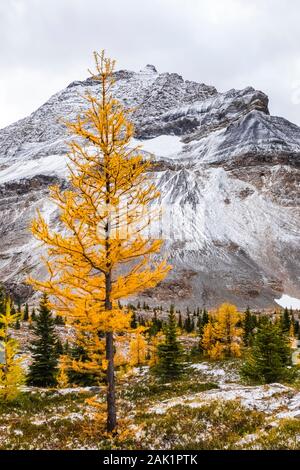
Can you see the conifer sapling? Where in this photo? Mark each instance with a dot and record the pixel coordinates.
(43, 370)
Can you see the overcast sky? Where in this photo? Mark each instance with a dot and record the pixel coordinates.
(46, 44)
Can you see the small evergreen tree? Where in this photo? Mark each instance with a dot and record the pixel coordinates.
(2, 300)
(285, 321)
(270, 355)
(249, 324)
(43, 370)
(203, 320)
(133, 323)
(66, 347)
(205, 317)
(58, 320)
(169, 352)
(59, 348)
(188, 324)
(79, 376)
(155, 325)
(33, 315)
(26, 313)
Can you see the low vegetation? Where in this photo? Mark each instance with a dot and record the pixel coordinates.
(62, 419)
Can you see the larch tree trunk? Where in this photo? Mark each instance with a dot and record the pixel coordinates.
(110, 373)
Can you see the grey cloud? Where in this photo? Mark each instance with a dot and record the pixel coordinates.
(44, 44)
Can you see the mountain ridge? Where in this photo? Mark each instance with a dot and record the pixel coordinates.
(228, 172)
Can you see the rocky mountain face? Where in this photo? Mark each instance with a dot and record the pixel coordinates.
(229, 177)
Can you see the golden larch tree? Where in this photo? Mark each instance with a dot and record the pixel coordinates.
(138, 348)
(12, 375)
(62, 376)
(103, 253)
(153, 343)
(292, 333)
(222, 337)
(227, 329)
(208, 338)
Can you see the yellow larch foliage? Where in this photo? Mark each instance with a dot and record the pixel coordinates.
(216, 351)
(292, 330)
(97, 426)
(227, 330)
(222, 336)
(89, 341)
(208, 338)
(122, 355)
(138, 348)
(12, 376)
(62, 376)
(292, 334)
(154, 341)
(103, 253)
(120, 358)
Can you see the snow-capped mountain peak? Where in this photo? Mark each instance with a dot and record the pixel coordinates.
(228, 174)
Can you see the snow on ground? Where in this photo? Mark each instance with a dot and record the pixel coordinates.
(275, 399)
(71, 390)
(161, 146)
(226, 373)
(268, 398)
(293, 408)
(164, 145)
(72, 417)
(286, 301)
(52, 164)
(140, 371)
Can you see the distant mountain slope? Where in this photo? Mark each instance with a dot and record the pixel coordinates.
(228, 172)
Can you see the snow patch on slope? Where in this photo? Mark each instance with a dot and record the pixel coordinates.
(161, 146)
(164, 145)
(52, 164)
(286, 301)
